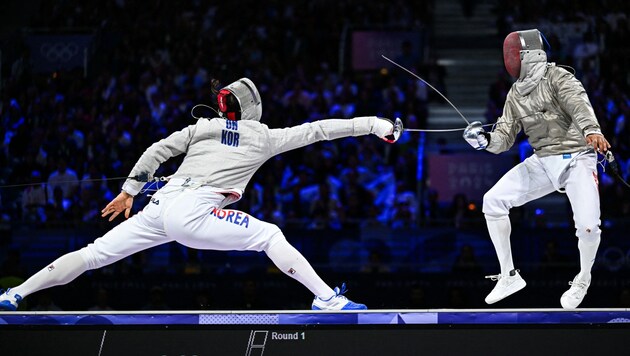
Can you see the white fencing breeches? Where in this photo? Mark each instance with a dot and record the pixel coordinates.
(188, 216)
(536, 177)
(193, 218)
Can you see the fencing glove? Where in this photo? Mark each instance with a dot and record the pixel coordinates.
(476, 136)
(386, 130)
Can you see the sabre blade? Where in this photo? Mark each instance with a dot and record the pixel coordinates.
(443, 130)
(429, 85)
(435, 130)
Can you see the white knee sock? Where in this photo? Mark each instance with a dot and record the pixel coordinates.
(499, 228)
(588, 251)
(62, 271)
(293, 264)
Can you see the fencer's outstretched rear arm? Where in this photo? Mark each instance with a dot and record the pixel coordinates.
(174, 145)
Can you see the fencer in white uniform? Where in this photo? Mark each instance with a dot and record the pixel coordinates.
(221, 156)
(551, 106)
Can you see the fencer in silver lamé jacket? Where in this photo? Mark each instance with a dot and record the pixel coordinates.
(552, 108)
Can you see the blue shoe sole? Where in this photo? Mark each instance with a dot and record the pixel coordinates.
(346, 307)
(6, 306)
(355, 307)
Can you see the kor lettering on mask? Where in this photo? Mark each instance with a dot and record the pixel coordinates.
(235, 217)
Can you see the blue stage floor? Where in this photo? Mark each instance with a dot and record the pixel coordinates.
(303, 332)
(307, 317)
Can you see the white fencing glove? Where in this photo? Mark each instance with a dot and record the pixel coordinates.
(476, 136)
(386, 130)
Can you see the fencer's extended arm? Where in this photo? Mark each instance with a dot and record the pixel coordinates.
(156, 154)
(290, 138)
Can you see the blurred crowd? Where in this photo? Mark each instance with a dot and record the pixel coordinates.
(79, 133)
(76, 134)
(154, 63)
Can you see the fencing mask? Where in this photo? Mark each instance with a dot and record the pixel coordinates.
(240, 101)
(515, 45)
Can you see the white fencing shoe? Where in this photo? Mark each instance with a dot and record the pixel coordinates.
(9, 301)
(574, 296)
(506, 286)
(337, 302)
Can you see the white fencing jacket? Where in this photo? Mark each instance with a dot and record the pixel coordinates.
(225, 154)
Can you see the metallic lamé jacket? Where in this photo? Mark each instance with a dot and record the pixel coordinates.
(556, 116)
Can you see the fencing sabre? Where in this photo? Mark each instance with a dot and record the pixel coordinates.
(432, 87)
(443, 96)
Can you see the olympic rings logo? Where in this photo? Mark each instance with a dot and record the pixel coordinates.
(59, 51)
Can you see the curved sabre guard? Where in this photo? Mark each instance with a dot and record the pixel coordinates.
(398, 130)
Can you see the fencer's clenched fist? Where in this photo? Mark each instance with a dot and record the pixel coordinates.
(476, 136)
(386, 130)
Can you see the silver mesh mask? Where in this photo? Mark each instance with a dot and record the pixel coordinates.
(530, 39)
(514, 47)
(248, 98)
